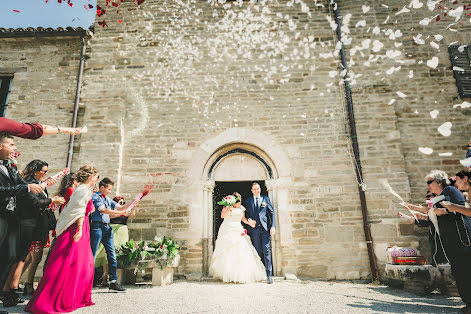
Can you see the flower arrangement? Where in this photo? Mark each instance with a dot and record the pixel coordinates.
(164, 252)
(13, 157)
(130, 253)
(228, 201)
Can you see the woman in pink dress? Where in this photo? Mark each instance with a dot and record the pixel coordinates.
(67, 281)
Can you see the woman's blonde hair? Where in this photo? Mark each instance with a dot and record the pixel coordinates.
(84, 173)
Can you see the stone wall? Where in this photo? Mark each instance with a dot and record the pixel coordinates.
(42, 91)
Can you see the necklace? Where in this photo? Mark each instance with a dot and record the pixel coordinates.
(466, 231)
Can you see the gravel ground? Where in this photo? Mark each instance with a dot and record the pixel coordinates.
(281, 297)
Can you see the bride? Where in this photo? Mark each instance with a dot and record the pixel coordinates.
(234, 258)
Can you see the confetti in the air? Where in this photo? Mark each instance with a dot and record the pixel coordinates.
(426, 150)
(465, 104)
(433, 63)
(401, 94)
(445, 129)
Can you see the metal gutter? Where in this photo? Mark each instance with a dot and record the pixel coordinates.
(70, 151)
(353, 135)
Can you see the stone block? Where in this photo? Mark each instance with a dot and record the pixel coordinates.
(162, 277)
(312, 271)
(338, 233)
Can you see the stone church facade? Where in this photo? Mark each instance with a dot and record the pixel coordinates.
(199, 95)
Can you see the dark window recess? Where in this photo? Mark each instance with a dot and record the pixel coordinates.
(461, 62)
(5, 84)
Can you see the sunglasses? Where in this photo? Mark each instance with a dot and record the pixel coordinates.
(430, 182)
(43, 171)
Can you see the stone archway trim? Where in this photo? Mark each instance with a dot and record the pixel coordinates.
(239, 135)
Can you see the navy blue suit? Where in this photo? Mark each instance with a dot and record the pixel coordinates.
(264, 216)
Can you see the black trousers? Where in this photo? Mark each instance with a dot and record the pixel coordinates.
(27, 236)
(460, 270)
(9, 240)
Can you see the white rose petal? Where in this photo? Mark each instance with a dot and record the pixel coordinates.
(465, 104)
(433, 63)
(431, 4)
(401, 94)
(365, 8)
(434, 114)
(416, 4)
(456, 13)
(361, 23)
(434, 45)
(418, 39)
(377, 46)
(445, 154)
(445, 129)
(426, 150)
(425, 21)
(403, 10)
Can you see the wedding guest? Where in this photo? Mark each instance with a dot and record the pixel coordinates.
(34, 237)
(101, 231)
(453, 233)
(12, 187)
(120, 234)
(33, 131)
(436, 251)
(463, 183)
(67, 281)
(66, 188)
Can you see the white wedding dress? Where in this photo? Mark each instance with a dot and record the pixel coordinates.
(234, 258)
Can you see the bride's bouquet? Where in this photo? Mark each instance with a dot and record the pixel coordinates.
(228, 201)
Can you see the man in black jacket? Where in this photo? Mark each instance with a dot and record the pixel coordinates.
(11, 187)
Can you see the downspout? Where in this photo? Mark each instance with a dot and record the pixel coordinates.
(70, 151)
(358, 169)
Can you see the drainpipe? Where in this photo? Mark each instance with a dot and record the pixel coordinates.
(70, 151)
(353, 134)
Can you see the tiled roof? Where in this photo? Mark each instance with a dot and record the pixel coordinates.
(43, 32)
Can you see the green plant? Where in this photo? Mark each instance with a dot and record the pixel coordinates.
(138, 254)
(165, 251)
(130, 253)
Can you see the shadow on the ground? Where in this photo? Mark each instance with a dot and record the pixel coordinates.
(413, 303)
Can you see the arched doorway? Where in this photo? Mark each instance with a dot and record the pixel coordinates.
(233, 157)
(235, 171)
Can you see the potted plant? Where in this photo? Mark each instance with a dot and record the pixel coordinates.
(167, 258)
(126, 256)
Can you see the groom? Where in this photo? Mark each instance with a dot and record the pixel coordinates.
(260, 209)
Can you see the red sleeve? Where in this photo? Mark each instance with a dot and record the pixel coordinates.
(30, 131)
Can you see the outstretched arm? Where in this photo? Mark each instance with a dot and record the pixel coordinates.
(457, 208)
